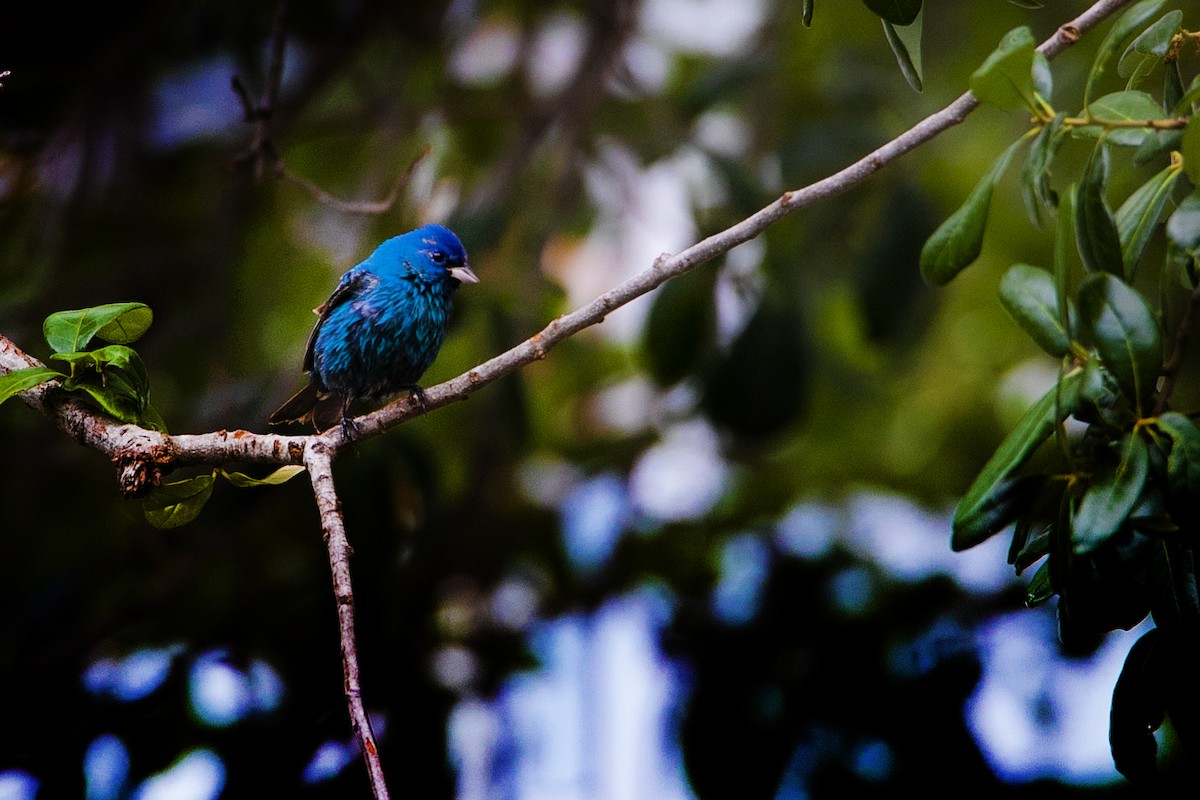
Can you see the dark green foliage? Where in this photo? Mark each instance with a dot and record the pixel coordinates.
(897, 12)
(679, 334)
(113, 377)
(1138, 708)
(850, 372)
(1029, 295)
(1095, 229)
(760, 385)
(1115, 519)
(1118, 322)
(1006, 78)
(905, 42)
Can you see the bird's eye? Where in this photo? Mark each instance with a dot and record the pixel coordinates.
(438, 257)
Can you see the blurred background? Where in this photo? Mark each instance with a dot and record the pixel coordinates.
(699, 552)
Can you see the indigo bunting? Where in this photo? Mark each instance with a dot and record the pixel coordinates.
(382, 327)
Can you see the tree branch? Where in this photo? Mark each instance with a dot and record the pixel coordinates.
(318, 457)
(221, 447)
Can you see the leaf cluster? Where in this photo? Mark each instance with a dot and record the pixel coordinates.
(903, 23)
(1112, 517)
(111, 377)
(114, 380)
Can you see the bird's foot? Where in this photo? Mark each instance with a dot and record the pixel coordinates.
(349, 426)
(419, 393)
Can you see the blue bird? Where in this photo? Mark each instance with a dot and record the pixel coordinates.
(382, 327)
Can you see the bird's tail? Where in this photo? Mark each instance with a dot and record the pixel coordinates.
(297, 408)
(324, 408)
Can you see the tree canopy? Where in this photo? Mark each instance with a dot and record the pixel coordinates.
(989, 333)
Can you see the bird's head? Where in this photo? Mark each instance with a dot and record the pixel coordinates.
(434, 254)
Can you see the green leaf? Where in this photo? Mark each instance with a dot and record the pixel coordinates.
(1183, 462)
(177, 503)
(1126, 25)
(1138, 709)
(1095, 229)
(20, 380)
(806, 12)
(1153, 42)
(115, 397)
(1172, 92)
(1101, 401)
(1183, 106)
(1064, 240)
(1028, 294)
(152, 420)
(129, 326)
(1035, 547)
(897, 12)
(1035, 174)
(1189, 148)
(1138, 216)
(279, 476)
(113, 356)
(1112, 495)
(1005, 79)
(1183, 226)
(1043, 79)
(1144, 65)
(959, 240)
(1040, 588)
(976, 517)
(905, 42)
(1123, 107)
(680, 330)
(120, 323)
(1125, 334)
(1156, 144)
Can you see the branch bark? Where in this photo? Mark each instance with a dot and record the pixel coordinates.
(318, 458)
(143, 456)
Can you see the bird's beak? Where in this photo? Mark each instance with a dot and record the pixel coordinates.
(463, 274)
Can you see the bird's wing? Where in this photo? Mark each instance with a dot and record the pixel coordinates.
(353, 282)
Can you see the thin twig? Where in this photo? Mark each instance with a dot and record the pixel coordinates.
(263, 154)
(319, 460)
(355, 206)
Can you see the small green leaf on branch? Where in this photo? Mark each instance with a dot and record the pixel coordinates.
(20, 380)
(178, 503)
(905, 41)
(959, 240)
(1126, 25)
(1107, 502)
(279, 476)
(1005, 79)
(1095, 229)
(1028, 294)
(1125, 333)
(1138, 217)
(119, 323)
(976, 517)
